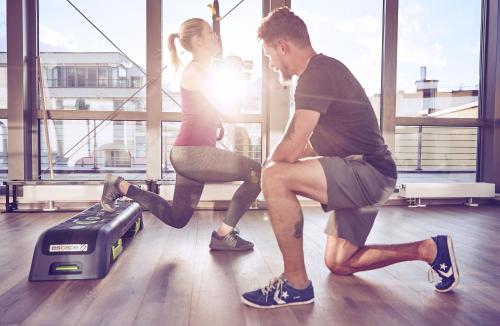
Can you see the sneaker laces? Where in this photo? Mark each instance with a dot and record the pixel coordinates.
(275, 283)
(112, 194)
(232, 238)
(430, 275)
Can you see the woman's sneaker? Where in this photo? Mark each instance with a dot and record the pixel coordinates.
(231, 241)
(445, 264)
(110, 192)
(278, 293)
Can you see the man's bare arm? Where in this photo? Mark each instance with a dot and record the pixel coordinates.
(308, 151)
(293, 143)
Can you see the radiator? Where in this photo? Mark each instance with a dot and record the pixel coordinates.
(415, 192)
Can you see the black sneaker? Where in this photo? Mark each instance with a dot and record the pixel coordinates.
(445, 264)
(110, 192)
(231, 241)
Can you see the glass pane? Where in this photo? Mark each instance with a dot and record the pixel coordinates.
(438, 58)
(3, 55)
(3, 149)
(436, 154)
(241, 138)
(240, 71)
(81, 66)
(116, 147)
(240, 45)
(169, 132)
(351, 33)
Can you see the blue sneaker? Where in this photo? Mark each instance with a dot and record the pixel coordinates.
(278, 293)
(445, 264)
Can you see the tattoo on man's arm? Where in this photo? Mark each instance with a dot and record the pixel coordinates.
(299, 227)
(290, 130)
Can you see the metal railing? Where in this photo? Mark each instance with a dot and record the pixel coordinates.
(99, 83)
(436, 149)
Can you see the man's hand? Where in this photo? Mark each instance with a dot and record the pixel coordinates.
(296, 138)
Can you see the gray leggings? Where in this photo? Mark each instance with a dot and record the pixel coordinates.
(196, 165)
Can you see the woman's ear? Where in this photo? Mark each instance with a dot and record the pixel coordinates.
(196, 41)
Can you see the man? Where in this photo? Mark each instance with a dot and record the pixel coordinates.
(332, 152)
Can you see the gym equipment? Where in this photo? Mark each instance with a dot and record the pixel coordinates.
(86, 245)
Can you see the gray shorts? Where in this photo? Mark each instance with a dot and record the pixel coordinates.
(355, 190)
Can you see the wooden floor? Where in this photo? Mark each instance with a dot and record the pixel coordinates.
(169, 277)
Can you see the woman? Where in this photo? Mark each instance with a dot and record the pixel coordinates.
(194, 156)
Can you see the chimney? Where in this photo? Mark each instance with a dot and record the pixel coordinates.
(427, 86)
(423, 72)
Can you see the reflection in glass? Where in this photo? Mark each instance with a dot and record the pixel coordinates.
(115, 147)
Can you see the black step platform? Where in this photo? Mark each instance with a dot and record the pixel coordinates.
(85, 246)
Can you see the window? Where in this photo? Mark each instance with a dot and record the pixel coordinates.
(89, 74)
(3, 91)
(136, 82)
(81, 77)
(437, 77)
(3, 55)
(85, 63)
(352, 34)
(436, 154)
(238, 33)
(70, 77)
(114, 147)
(239, 74)
(103, 77)
(92, 77)
(59, 76)
(438, 59)
(3, 149)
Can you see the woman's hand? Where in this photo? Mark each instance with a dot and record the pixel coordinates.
(225, 101)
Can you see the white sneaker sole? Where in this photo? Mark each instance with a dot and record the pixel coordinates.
(251, 304)
(451, 251)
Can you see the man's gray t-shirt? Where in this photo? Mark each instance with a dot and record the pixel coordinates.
(347, 125)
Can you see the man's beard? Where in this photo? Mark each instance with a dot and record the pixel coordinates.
(285, 76)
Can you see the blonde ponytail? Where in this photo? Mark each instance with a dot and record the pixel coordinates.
(189, 29)
(174, 57)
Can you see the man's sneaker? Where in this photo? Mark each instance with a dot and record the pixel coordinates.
(445, 264)
(278, 293)
(231, 241)
(110, 192)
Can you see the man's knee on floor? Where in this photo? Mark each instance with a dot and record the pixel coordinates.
(337, 266)
(338, 255)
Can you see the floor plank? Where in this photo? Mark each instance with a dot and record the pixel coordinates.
(169, 276)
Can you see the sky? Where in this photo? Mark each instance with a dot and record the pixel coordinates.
(441, 35)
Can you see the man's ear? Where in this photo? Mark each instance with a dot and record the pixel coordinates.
(282, 46)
